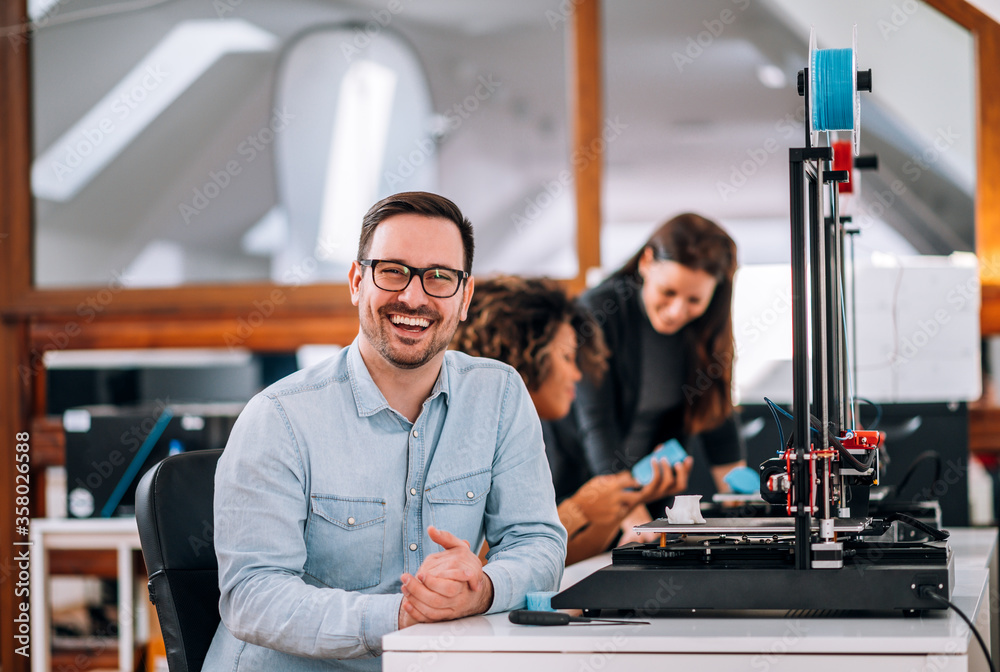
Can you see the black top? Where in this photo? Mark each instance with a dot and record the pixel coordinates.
(664, 358)
(606, 416)
(565, 454)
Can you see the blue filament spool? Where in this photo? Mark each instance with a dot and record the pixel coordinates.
(833, 82)
(833, 102)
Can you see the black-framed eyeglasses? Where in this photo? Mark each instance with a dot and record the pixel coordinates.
(392, 276)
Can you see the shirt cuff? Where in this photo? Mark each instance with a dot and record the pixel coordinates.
(379, 618)
(503, 589)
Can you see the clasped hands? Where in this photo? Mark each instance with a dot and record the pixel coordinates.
(449, 584)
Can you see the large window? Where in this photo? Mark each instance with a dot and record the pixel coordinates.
(191, 142)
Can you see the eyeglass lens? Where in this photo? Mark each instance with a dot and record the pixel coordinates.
(438, 282)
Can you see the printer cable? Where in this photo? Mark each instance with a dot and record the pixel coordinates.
(928, 591)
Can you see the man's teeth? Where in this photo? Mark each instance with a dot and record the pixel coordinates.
(411, 321)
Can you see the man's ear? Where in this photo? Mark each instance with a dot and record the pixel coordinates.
(354, 277)
(470, 285)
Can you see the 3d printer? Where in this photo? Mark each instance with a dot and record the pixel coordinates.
(828, 553)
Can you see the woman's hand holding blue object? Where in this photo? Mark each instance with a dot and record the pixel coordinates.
(667, 480)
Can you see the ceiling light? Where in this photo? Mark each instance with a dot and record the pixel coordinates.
(357, 146)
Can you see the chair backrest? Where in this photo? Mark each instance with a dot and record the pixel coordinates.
(173, 509)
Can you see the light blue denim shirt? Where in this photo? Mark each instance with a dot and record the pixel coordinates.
(324, 494)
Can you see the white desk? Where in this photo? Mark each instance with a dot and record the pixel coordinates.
(977, 548)
(120, 534)
(936, 641)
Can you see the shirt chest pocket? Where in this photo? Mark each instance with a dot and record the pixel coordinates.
(457, 504)
(345, 541)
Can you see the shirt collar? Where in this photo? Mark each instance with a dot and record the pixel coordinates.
(368, 396)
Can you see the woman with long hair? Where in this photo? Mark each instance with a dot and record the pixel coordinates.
(530, 324)
(666, 316)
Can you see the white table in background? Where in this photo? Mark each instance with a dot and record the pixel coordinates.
(935, 641)
(119, 534)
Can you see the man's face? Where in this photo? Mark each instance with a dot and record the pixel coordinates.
(421, 242)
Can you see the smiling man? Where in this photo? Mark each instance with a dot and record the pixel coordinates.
(349, 494)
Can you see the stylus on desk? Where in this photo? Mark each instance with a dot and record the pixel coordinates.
(526, 617)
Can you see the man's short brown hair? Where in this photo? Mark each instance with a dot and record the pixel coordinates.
(419, 203)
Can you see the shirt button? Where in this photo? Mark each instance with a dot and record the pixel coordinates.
(470, 494)
(413, 491)
(350, 521)
(413, 547)
(415, 434)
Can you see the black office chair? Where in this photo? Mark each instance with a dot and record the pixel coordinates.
(173, 507)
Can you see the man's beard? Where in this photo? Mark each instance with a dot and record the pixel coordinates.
(376, 330)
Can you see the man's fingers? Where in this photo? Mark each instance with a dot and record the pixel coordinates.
(441, 565)
(414, 612)
(446, 539)
(466, 571)
(473, 576)
(461, 559)
(429, 614)
(424, 597)
(451, 584)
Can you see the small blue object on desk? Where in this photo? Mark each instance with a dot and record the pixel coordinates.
(671, 450)
(743, 481)
(540, 601)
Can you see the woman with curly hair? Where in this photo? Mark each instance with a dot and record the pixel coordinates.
(552, 342)
(666, 317)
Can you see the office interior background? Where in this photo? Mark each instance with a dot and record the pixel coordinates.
(184, 181)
